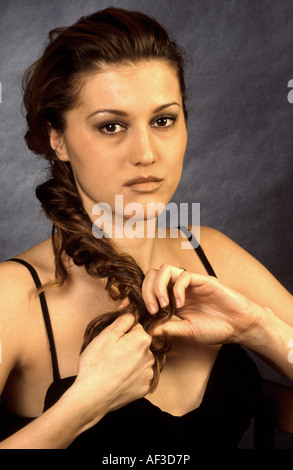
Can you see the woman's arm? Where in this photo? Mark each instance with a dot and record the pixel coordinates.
(55, 429)
(236, 268)
(212, 313)
(245, 305)
(100, 386)
(272, 340)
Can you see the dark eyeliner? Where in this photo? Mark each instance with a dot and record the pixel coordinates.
(103, 125)
(172, 117)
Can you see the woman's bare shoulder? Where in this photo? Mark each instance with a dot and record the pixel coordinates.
(40, 257)
(238, 269)
(232, 264)
(226, 256)
(16, 282)
(17, 294)
(19, 307)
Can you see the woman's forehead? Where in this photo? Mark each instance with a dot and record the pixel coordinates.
(122, 84)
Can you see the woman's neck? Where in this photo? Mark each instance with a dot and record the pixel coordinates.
(136, 236)
(139, 239)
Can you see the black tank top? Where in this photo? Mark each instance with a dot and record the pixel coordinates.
(230, 401)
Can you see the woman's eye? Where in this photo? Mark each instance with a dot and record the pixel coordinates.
(112, 128)
(165, 121)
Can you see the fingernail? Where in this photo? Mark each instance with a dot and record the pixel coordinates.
(178, 302)
(152, 308)
(163, 302)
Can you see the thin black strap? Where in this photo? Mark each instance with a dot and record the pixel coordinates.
(199, 251)
(46, 315)
(205, 261)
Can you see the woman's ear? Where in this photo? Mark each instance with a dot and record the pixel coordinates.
(57, 143)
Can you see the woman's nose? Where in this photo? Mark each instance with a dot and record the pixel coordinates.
(143, 149)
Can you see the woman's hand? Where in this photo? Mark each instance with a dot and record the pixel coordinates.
(115, 368)
(209, 312)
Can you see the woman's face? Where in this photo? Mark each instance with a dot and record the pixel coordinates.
(128, 124)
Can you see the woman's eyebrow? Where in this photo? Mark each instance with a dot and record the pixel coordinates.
(110, 111)
(167, 105)
(118, 112)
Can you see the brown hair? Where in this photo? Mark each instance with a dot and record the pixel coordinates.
(51, 88)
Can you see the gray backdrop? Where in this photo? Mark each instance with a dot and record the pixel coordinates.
(239, 159)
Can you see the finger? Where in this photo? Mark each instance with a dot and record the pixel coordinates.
(155, 285)
(165, 274)
(203, 283)
(139, 330)
(140, 335)
(124, 303)
(121, 325)
(152, 359)
(148, 293)
(172, 328)
(166, 328)
(180, 286)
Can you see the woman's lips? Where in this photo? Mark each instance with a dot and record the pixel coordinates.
(142, 184)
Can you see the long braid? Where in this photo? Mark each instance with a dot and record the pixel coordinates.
(52, 87)
(72, 235)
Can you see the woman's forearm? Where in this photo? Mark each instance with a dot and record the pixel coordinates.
(270, 339)
(98, 389)
(57, 428)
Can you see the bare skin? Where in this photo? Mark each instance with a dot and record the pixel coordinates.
(230, 309)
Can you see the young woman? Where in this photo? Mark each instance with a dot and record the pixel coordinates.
(127, 342)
